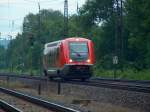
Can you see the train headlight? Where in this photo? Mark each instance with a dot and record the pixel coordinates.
(77, 39)
(88, 60)
(70, 60)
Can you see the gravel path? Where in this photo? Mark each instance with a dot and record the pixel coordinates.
(1, 110)
(21, 104)
(77, 102)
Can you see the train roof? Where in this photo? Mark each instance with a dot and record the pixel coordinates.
(50, 44)
(76, 38)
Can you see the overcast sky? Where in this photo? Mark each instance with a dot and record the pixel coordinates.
(12, 12)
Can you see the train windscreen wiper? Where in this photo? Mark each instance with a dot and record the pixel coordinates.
(78, 54)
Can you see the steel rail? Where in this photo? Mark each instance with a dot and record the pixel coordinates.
(137, 85)
(7, 107)
(27, 76)
(121, 80)
(136, 88)
(38, 101)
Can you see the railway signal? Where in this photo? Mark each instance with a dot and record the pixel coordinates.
(115, 60)
(115, 63)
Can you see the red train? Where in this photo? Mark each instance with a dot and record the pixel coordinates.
(71, 58)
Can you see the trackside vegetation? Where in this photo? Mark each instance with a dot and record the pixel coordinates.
(126, 74)
(98, 21)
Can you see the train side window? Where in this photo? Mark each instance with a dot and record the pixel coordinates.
(58, 53)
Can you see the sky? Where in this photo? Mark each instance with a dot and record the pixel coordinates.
(12, 12)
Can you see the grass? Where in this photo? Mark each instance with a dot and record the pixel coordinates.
(125, 74)
(31, 72)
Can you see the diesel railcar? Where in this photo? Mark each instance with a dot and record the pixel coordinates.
(71, 58)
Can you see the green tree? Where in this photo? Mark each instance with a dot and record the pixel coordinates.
(2, 57)
(27, 48)
(137, 25)
(98, 20)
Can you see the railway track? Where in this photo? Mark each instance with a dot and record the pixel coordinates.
(141, 82)
(116, 85)
(44, 106)
(5, 107)
(136, 83)
(130, 85)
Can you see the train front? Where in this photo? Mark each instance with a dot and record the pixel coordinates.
(80, 58)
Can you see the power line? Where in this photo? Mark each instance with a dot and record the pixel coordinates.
(31, 1)
(15, 19)
(54, 2)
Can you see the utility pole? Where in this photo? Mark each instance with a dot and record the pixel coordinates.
(77, 20)
(77, 8)
(119, 32)
(40, 60)
(39, 19)
(119, 41)
(11, 62)
(65, 18)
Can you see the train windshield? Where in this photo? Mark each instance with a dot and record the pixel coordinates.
(78, 51)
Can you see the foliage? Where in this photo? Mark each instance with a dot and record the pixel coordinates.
(25, 52)
(132, 74)
(100, 16)
(2, 57)
(137, 24)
